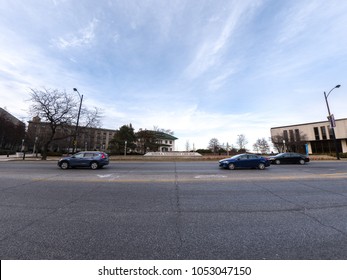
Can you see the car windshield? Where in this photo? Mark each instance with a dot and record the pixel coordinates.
(281, 154)
(237, 156)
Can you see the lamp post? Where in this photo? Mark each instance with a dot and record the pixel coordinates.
(125, 148)
(34, 149)
(332, 121)
(78, 119)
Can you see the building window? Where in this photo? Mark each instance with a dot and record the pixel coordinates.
(285, 135)
(324, 132)
(297, 135)
(316, 133)
(291, 135)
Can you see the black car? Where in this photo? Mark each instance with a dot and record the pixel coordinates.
(287, 158)
(93, 160)
(244, 161)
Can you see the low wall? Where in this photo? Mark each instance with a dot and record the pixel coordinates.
(172, 154)
(20, 155)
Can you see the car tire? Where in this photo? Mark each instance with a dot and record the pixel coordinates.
(94, 165)
(277, 161)
(302, 161)
(231, 166)
(64, 165)
(261, 166)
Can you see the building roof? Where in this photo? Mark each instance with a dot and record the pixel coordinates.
(336, 120)
(10, 117)
(161, 135)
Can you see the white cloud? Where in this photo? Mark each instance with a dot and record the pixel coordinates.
(212, 47)
(84, 36)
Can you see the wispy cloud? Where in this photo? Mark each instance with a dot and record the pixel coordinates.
(211, 49)
(84, 36)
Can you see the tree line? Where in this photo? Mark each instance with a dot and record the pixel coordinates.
(215, 147)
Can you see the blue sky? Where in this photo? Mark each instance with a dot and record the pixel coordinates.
(204, 69)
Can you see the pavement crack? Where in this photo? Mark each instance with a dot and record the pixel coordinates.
(303, 209)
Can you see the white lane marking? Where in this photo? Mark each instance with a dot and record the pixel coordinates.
(104, 176)
(210, 176)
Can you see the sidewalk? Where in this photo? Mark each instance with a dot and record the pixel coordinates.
(20, 157)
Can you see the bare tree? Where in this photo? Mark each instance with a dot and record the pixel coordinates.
(167, 131)
(278, 142)
(187, 146)
(261, 145)
(293, 142)
(214, 145)
(241, 141)
(59, 111)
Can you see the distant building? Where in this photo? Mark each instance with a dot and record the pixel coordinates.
(10, 117)
(316, 136)
(166, 141)
(88, 138)
(12, 132)
(154, 141)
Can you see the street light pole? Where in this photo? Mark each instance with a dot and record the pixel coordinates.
(332, 124)
(78, 119)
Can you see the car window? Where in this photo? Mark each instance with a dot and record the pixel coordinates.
(88, 155)
(79, 155)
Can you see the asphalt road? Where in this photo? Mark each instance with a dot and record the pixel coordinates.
(173, 210)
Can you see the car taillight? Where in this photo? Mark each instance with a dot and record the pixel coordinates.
(103, 156)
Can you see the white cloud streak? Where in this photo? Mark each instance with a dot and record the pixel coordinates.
(212, 48)
(84, 37)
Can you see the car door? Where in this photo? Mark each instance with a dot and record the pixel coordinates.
(243, 161)
(87, 159)
(253, 161)
(286, 158)
(293, 158)
(296, 158)
(76, 160)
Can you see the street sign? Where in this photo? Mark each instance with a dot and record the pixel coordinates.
(332, 120)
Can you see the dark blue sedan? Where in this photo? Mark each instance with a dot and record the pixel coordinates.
(244, 161)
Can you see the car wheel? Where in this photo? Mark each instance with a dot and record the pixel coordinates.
(64, 165)
(261, 166)
(301, 161)
(94, 165)
(231, 166)
(277, 161)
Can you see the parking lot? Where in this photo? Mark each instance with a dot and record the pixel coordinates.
(173, 210)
